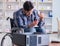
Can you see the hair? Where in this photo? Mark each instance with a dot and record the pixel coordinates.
(28, 6)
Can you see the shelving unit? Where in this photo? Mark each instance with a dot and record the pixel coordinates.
(9, 6)
(45, 6)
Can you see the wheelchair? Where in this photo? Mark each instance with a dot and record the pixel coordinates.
(14, 28)
(15, 37)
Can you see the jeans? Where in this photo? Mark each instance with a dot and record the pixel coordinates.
(27, 30)
(41, 30)
(32, 30)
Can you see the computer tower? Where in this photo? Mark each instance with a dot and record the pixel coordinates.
(31, 39)
(37, 40)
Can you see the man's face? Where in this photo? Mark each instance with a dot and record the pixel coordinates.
(28, 13)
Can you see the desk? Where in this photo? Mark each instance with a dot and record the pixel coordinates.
(54, 44)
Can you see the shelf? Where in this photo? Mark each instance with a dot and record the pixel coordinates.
(48, 17)
(11, 1)
(22, 0)
(12, 7)
(48, 24)
(45, 2)
(33, 0)
(11, 10)
(48, 27)
(45, 10)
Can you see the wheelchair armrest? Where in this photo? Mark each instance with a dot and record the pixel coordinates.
(17, 29)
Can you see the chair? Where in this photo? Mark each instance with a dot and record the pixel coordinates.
(58, 27)
(14, 29)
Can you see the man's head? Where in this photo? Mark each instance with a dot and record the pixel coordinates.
(28, 7)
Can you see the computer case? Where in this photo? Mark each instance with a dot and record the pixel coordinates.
(31, 39)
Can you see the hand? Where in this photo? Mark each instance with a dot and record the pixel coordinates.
(41, 15)
(33, 23)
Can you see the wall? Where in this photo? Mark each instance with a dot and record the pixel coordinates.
(56, 13)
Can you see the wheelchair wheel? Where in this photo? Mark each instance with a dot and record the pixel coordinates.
(6, 40)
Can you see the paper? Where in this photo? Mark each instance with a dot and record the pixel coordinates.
(11, 0)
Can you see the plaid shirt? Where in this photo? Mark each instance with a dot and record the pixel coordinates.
(22, 20)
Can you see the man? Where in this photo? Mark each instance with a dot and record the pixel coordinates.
(27, 17)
